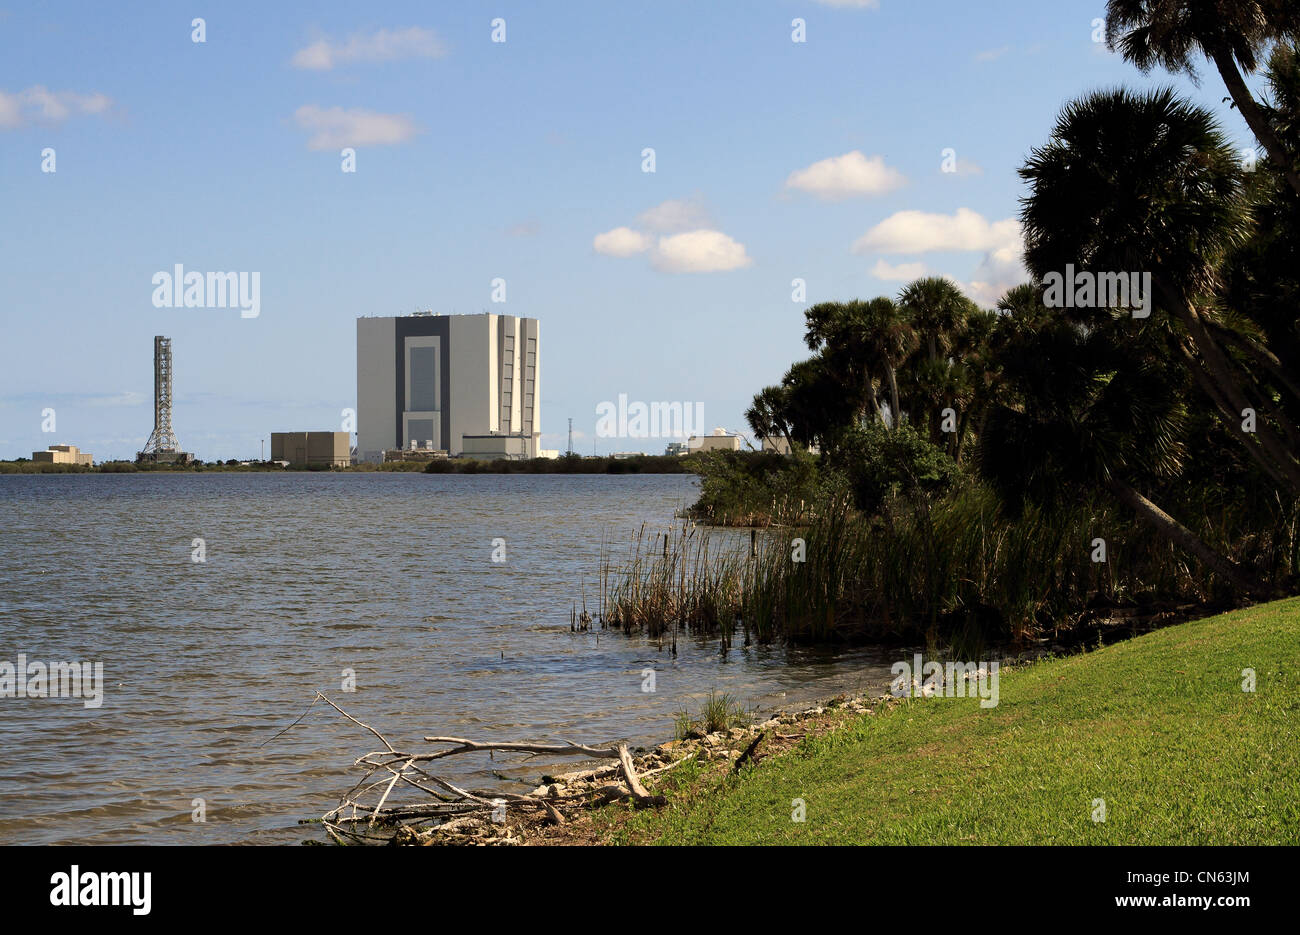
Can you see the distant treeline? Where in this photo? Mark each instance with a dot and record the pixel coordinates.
(569, 464)
(24, 466)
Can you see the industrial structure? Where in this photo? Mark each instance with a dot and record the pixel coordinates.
(162, 445)
(312, 449)
(459, 384)
(63, 454)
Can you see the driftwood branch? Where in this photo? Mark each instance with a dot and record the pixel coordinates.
(446, 805)
(564, 749)
(638, 791)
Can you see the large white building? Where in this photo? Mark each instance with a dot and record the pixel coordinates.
(447, 381)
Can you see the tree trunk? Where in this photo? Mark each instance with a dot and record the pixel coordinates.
(894, 412)
(1230, 419)
(961, 433)
(1216, 361)
(1255, 116)
(1185, 539)
(1259, 353)
(1214, 367)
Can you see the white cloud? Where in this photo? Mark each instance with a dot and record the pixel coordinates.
(679, 238)
(674, 216)
(919, 232)
(922, 232)
(903, 272)
(998, 271)
(699, 251)
(38, 104)
(846, 176)
(622, 242)
(386, 45)
(336, 127)
(992, 55)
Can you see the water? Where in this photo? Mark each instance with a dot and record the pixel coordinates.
(308, 575)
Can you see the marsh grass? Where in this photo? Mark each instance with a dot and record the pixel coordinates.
(957, 571)
(719, 711)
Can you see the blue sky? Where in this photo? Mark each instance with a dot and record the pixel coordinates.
(774, 160)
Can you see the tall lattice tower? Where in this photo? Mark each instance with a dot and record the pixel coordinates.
(162, 444)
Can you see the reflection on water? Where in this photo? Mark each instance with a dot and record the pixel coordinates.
(308, 575)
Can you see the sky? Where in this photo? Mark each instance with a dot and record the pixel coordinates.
(882, 146)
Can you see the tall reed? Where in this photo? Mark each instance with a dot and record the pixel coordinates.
(952, 568)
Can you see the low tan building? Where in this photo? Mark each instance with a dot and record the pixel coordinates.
(312, 449)
(63, 454)
(719, 440)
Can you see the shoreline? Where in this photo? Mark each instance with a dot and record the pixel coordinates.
(732, 747)
(700, 758)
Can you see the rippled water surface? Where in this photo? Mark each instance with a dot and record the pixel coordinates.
(306, 575)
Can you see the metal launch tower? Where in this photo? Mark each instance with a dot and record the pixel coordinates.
(162, 444)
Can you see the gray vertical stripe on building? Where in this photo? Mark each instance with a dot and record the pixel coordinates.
(423, 326)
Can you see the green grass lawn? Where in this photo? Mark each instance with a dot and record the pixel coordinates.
(1158, 726)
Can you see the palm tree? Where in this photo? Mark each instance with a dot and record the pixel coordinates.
(889, 340)
(935, 307)
(769, 416)
(830, 329)
(977, 375)
(816, 406)
(937, 311)
(1233, 34)
(1147, 183)
(1093, 406)
(862, 343)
